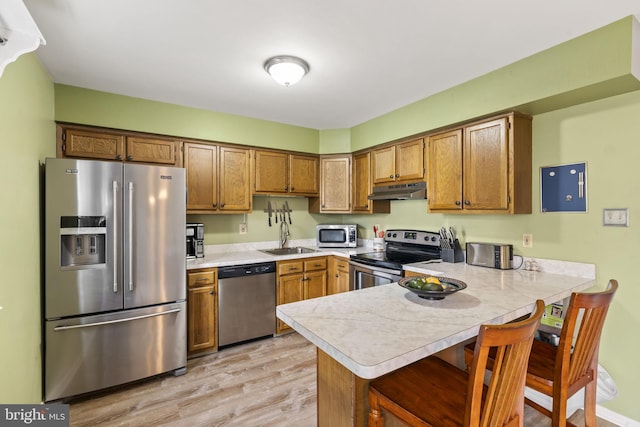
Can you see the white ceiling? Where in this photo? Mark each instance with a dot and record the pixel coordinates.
(367, 57)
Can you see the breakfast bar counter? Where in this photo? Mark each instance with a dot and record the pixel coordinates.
(364, 334)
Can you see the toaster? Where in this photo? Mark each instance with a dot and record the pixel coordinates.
(492, 255)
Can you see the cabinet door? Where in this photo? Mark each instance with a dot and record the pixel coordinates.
(92, 145)
(342, 280)
(486, 171)
(235, 186)
(362, 185)
(290, 289)
(383, 166)
(444, 171)
(200, 162)
(315, 284)
(410, 160)
(148, 150)
(338, 275)
(202, 318)
(202, 310)
(271, 172)
(335, 186)
(303, 174)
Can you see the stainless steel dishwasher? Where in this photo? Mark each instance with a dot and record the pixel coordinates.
(246, 302)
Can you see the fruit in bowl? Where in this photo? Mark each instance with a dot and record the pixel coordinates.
(432, 287)
(426, 283)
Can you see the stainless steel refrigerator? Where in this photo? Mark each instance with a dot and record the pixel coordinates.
(114, 292)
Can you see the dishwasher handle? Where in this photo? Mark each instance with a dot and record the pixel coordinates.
(246, 270)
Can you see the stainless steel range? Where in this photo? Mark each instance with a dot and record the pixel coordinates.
(402, 247)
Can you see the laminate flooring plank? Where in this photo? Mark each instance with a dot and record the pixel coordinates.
(270, 382)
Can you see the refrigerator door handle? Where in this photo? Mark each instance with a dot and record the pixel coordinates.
(109, 322)
(115, 237)
(130, 266)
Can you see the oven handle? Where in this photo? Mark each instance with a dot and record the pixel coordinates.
(376, 271)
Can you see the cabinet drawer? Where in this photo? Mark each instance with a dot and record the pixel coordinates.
(289, 267)
(201, 278)
(315, 264)
(342, 264)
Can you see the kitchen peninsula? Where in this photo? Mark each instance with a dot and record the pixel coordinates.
(364, 334)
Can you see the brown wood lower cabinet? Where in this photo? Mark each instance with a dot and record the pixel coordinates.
(338, 280)
(298, 280)
(202, 311)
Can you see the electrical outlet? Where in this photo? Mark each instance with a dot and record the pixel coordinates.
(243, 228)
(619, 217)
(527, 240)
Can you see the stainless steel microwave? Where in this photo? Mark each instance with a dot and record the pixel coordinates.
(336, 235)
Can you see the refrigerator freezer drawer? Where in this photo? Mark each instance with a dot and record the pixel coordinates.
(95, 352)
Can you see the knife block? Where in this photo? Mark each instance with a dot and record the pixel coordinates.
(452, 255)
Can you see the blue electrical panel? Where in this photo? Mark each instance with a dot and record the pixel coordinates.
(564, 188)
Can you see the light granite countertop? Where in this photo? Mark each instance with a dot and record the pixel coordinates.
(249, 253)
(377, 330)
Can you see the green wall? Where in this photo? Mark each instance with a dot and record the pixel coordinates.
(26, 135)
(84, 106)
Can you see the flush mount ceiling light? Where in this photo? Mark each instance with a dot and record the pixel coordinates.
(286, 70)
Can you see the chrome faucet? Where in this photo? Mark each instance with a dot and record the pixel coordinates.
(284, 229)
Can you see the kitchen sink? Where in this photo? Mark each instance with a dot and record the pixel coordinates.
(288, 251)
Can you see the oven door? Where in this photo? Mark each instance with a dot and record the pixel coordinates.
(366, 276)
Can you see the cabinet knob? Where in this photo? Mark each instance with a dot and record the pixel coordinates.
(397, 175)
(466, 202)
(286, 188)
(212, 292)
(215, 205)
(337, 275)
(458, 203)
(293, 189)
(222, 205)
(119, 157)
(129, 157)
(366, 206)
(391, 176)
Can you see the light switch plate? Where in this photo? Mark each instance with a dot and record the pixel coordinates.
(617, 217)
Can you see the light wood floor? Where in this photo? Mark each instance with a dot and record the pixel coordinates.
(271, 382)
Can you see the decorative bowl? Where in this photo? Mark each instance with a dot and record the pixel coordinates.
(449, 285)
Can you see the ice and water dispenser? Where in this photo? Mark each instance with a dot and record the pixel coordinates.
(82, 241)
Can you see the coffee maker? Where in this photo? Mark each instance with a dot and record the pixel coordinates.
(195, 240)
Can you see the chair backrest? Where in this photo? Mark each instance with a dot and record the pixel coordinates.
(503, 404)
(576, 363)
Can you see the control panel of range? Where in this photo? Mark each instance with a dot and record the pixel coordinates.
(416, 237)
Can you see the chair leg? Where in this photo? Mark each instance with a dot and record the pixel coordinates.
(590, 404)
(375, 416)
(559, 413)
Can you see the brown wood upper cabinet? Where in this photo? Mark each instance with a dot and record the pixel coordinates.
(482, 167)
(335, 185)
(362, 186)
(101, 144)
(399, 162)
(218, 178)
(286, 173)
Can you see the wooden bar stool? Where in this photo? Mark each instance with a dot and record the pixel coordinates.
(431, 392)
(560, 372)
